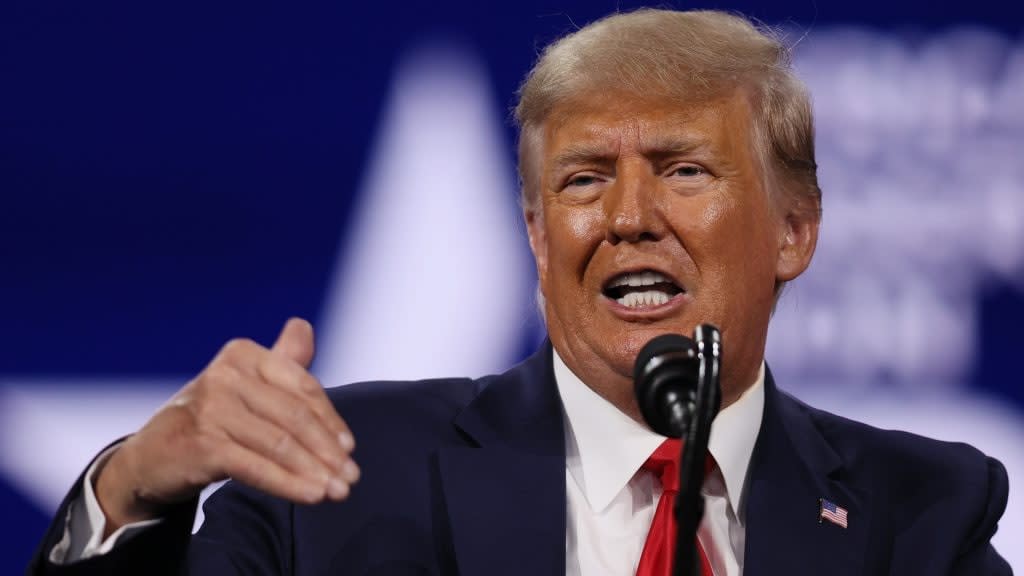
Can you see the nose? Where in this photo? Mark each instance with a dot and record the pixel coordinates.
(631, 209)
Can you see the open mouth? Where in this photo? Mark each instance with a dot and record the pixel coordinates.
(641, 289)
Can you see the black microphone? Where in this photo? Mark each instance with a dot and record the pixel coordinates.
(676, 381)
(665, 382)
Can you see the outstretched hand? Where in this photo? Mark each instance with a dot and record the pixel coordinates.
(255, 415)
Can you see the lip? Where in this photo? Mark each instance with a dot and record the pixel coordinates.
(645, 313)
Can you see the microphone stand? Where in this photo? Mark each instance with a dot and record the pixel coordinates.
(689, 506)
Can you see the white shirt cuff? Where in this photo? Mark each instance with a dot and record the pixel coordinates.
(85, 523)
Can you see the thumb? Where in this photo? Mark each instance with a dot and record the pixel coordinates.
(296, 341)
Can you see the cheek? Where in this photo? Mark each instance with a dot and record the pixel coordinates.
(731, 244)
(711, 228)
(715, 214)
(583, 224)
(575, 233)
(739, 226)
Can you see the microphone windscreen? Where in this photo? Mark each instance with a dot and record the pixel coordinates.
(659, 345)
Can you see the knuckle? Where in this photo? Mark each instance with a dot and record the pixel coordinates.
(237, 347)
(220, 373)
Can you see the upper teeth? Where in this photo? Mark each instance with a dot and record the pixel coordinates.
(638, 279)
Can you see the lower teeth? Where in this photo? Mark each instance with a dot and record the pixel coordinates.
(647, 298)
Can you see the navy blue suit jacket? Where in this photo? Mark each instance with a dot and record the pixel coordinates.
(467, 477)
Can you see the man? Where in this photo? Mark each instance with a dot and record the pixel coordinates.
(668, 180)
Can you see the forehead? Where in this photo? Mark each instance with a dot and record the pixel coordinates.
(614, 123)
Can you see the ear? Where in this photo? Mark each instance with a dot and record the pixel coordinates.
(798, 239)
(538, 242)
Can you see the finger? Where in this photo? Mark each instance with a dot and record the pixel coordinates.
(297, 416)
(288, 375)
(276, 445)
(296, 342)
(251, 468)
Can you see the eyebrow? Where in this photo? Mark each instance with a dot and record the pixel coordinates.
(657, 148)
(583, 152)
(660, 147)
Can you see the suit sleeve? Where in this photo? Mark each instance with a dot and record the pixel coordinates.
(245, 533)
(159, 549)
(977, 555)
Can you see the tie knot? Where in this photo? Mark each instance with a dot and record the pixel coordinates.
(664, 462)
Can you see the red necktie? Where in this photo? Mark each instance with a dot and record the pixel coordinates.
(659, 549)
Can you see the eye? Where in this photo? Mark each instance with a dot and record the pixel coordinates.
(581, 180)
(688, 171)
(583, 187)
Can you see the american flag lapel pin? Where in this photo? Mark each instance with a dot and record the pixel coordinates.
(827, 510)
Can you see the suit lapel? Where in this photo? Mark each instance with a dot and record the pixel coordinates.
(792, 468)
(505, 493)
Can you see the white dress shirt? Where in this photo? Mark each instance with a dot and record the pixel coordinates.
(610, 505)
(86, 522)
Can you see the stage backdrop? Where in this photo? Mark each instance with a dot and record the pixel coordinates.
(173, 176)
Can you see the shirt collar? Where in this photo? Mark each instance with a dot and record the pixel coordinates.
(733, 435)
(605, 447)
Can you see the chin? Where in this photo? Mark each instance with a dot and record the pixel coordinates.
(624, 349)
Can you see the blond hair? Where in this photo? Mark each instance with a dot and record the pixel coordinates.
(688, 56)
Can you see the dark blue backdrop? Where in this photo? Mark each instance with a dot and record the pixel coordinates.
(173, 175)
